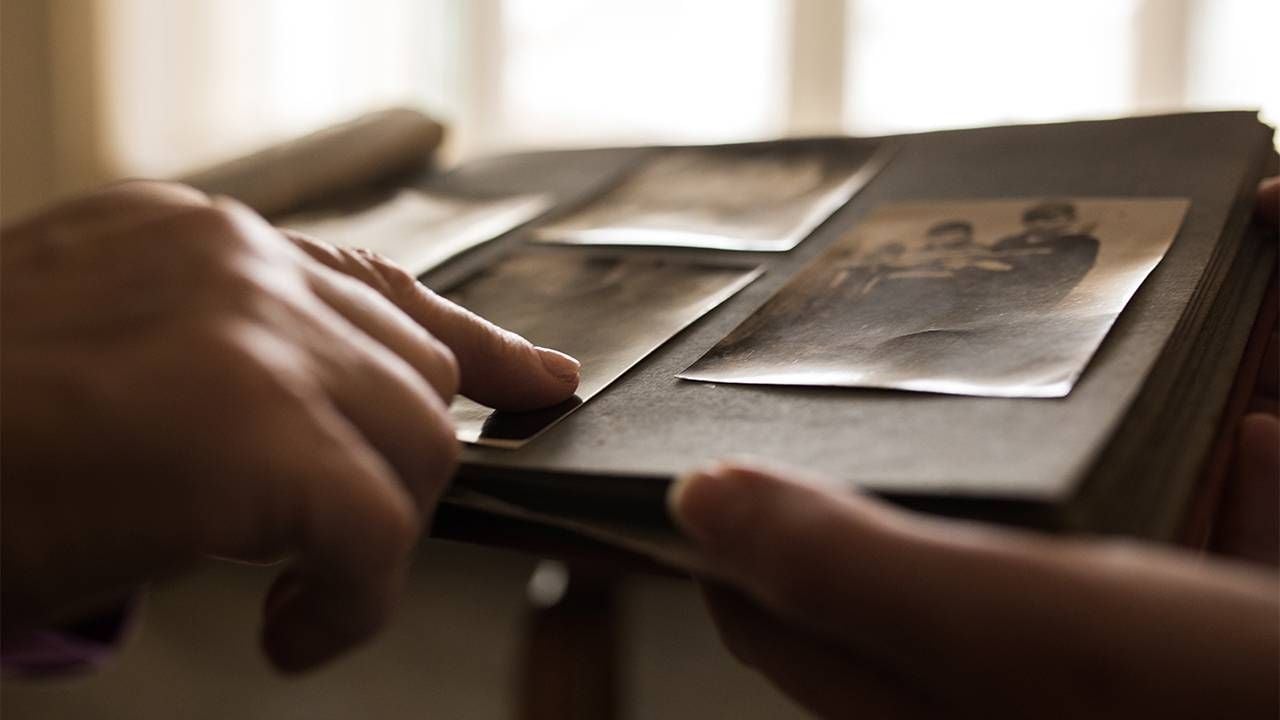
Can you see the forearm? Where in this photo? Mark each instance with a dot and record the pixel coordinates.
(1099, 627)
(961, 615)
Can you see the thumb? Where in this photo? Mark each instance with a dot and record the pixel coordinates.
(844, 566)
(799, 548)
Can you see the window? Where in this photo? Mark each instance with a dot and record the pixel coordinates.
(189, 83)
(184, 84)
(593, 71)
(921, 64)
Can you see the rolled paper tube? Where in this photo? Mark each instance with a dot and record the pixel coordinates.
(360, 152)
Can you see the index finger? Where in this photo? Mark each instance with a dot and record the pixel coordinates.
(497, 367)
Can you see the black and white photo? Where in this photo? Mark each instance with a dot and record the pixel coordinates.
(608, 311)
(762, 197)
(419, 230)
(1005, 298)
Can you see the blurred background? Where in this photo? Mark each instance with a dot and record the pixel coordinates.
(98, 89)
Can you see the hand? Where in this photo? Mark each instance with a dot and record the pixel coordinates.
(856, 609)
(180, 379)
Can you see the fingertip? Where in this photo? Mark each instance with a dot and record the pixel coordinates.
(498, 368)
(765, 473)
(676, 492)
(507, 372)
(709, 504)
(564, 368)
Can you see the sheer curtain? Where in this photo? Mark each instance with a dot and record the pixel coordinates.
(189, 83)
(185, 84)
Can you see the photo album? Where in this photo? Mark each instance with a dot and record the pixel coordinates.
(1037, 325)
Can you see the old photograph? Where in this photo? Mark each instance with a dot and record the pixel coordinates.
(420, 230)
(1004, 298)
(763, 197)
(608, 311)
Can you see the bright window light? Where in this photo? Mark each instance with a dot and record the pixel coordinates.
(579, 72)
(924, 64)
(1232, 56)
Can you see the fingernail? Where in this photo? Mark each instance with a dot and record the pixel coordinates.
(559, 364)
(705, 504)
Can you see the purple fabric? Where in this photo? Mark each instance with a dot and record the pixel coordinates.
(78, 647)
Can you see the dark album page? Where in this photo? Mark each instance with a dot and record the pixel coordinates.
(607, 311)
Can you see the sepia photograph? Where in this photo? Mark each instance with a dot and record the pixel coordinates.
(979, 302)
(760, 197)
(608, 311)
(1006, 298)
(418, 230)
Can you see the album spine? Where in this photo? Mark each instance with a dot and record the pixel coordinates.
(364, 151)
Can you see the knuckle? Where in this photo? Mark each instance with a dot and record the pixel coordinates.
(318, 250)
(145, 190)
(215, 220)
(511, 344)
(492, 343)
(207, 231)
(400, 286)
(355, 263)
(373, 257)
